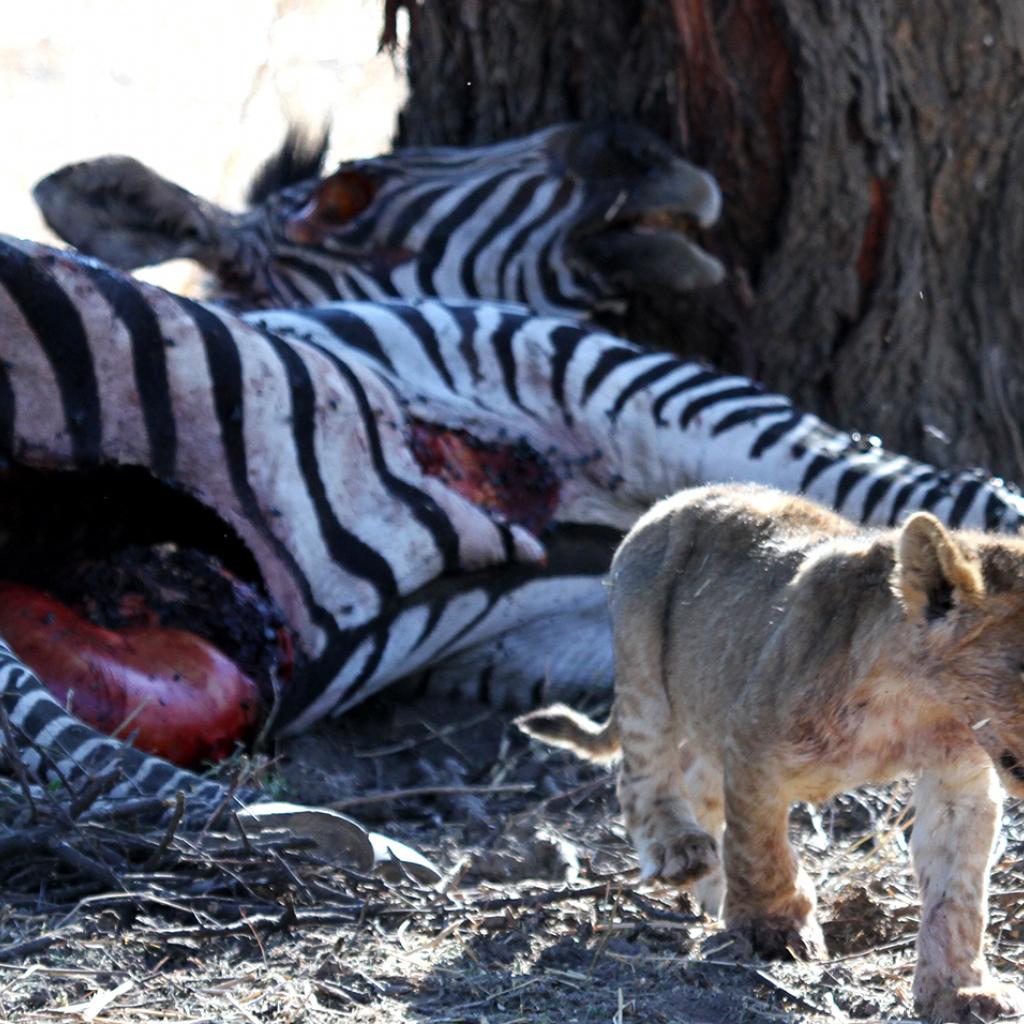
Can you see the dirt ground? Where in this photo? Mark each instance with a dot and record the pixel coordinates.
(540, 916)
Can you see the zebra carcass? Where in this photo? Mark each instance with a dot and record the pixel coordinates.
(415, 486)
(565, 220)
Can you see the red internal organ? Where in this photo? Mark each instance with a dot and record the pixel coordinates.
(138, 669)
(181, 697)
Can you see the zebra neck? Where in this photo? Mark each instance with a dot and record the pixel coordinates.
(621, 426)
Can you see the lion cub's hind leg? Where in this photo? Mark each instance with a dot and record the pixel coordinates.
(656, 803)
(703, 784)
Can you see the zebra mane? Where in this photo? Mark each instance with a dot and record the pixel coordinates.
(300, 156)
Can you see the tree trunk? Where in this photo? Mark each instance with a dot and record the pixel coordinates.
(867, 154)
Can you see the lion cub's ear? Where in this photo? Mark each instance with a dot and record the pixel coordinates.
(933, 574)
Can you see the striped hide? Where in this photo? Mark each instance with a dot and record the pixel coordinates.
(310, 435)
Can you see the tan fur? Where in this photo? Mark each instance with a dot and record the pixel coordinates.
(767, 651)
(561, 726)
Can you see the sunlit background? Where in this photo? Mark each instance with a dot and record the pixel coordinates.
(198, 89)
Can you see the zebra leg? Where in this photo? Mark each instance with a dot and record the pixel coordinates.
(74, 752)
(34, 722)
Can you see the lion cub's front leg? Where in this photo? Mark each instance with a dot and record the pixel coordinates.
(769, 899)
(957, 815)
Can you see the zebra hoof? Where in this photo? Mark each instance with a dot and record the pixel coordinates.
(343, 840)
(394, 861)
(338, 838)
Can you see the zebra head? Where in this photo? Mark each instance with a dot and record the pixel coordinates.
(567, 220)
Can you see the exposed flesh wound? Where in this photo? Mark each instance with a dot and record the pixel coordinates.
(511, 481)
(179, 588)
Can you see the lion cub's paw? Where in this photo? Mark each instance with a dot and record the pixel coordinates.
(682, 859)
(968, 1005)
(769, 939)
(709, 893)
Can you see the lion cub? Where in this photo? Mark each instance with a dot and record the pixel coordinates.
(768, 651)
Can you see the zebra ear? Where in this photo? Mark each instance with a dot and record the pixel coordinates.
(337, 199)
(126, 214)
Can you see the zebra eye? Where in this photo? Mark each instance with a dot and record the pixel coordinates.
(339, 199)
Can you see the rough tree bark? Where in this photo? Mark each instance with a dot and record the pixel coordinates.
(869, 155)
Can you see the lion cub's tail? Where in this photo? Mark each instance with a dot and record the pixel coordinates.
(560, 726)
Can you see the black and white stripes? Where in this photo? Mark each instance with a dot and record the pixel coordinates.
(295, 428)
(623, 424)
(563, 220)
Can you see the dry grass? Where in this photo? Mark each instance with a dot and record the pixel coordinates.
(539, 918)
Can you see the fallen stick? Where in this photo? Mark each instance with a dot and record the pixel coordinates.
(416, 791)
(418, 741)
(73, 858)
(95, 787)
(29, 946)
